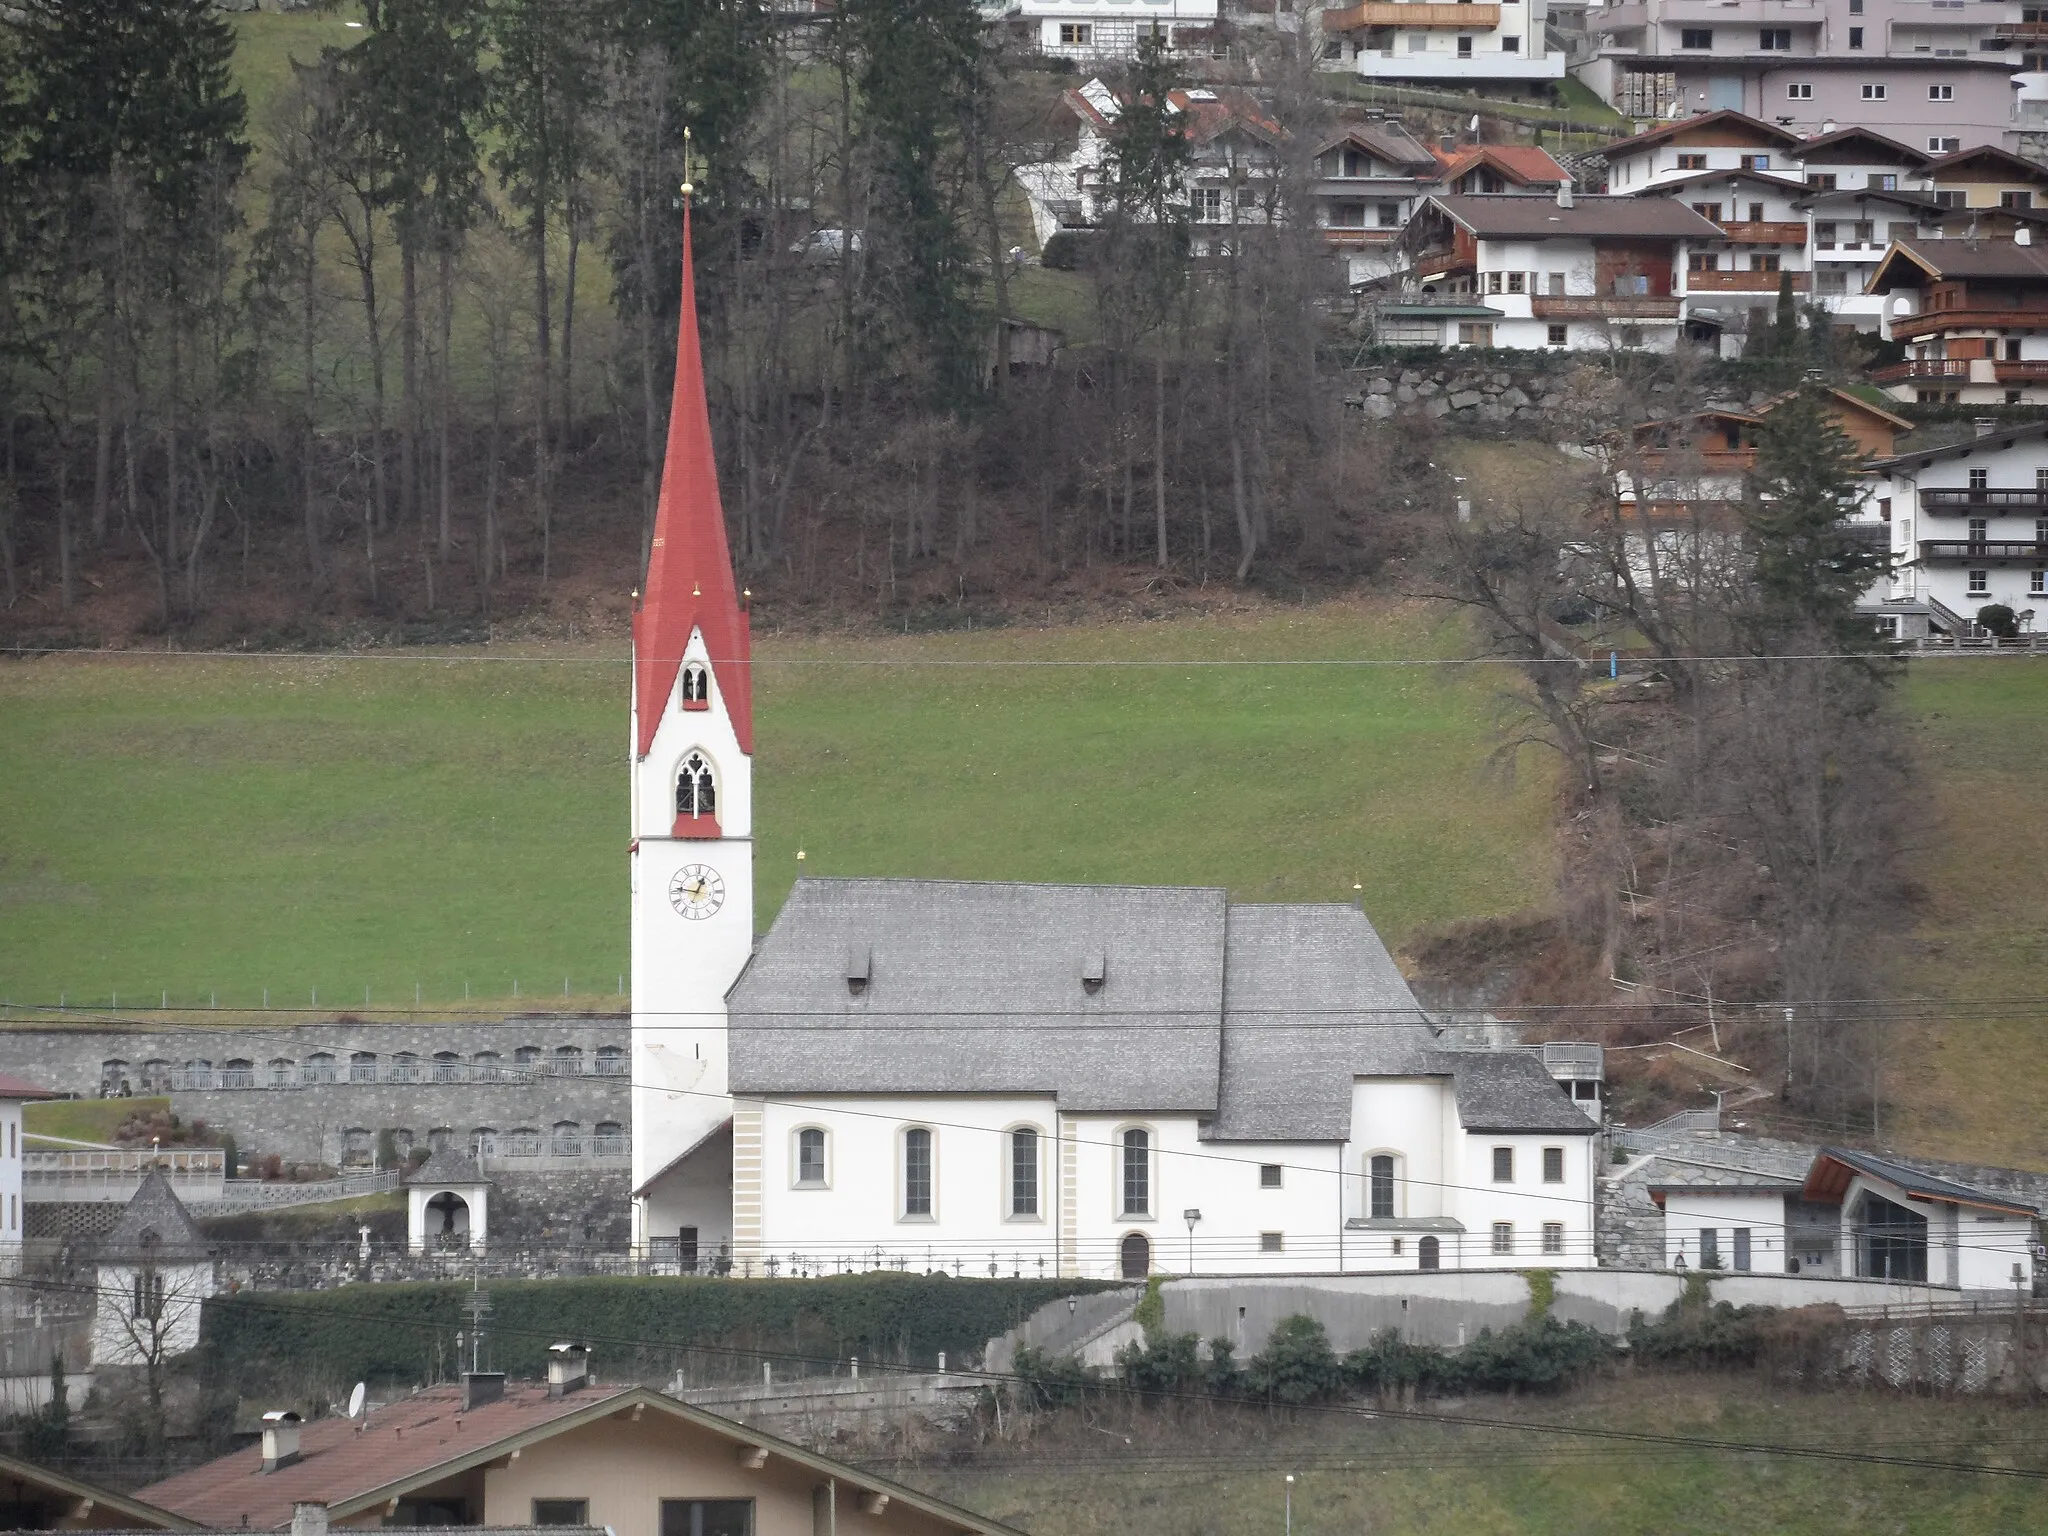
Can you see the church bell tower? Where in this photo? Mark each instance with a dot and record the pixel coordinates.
(692, 831)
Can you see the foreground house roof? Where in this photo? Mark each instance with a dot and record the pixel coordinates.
(1729, 128)
(1511, 216)
(1858, 146)
(1112, 999)
(12, 1087)
(78, 1503)
(1912, 263)
(1528, 165)
(353, 1465)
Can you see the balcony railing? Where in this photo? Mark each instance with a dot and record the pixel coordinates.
(1921, 368)
(1933, 321)
(1413, 17)
(1764, 232)
(1982, 499)
(2013, 371)
(1983, 549)
(1594, 306)
(1746, 282)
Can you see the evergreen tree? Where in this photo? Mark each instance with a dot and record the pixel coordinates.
(1810, 564)
(1785, 324)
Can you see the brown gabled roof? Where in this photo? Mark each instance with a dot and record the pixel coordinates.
(1822, 149)
(1389, 141)
(1527, 164)
(1760, 131)
(101, 1506)
(1857, 403)
(353, 1465)
(1508, 215)
(2005, 160)
(1940, 260)
(1789, 182)
(1829, 1178)
(12, 1087)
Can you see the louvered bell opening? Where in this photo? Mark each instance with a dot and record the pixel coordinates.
(859, 967)
(1094, 971)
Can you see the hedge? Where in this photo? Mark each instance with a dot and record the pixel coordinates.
(636, 1327)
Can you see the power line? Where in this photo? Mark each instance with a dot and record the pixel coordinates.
(1691, 1443)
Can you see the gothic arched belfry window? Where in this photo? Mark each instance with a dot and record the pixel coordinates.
(696, 686)
(696, 790)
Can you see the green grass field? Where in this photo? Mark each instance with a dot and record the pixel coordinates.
(85, 1119)
(1379, 1477)
(214, 828)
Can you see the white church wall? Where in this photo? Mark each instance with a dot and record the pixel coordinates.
(1405, 1117)
(1527, 1203)
(10, 1186)
(698, 1195)
(123, 1336)
(683, 966)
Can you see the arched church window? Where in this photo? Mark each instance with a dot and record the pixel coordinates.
(1137, 1173)
(696, 686)
(696, 789)
(1380, 1186)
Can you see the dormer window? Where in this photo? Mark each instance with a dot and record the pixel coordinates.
(696, 789)
(1094, 971)
(859, 967)
(696, 686)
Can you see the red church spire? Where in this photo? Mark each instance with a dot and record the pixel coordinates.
(689, 567)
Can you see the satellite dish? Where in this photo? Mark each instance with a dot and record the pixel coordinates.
(355, 1401)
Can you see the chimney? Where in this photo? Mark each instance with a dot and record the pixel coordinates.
(2023, 234)
(480, 1387)
(281, 1442)
(309, 1519)
(1564, 194)
(1984, 426)
(1447, 142)
(568, 1368)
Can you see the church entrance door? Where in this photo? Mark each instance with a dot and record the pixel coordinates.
(1135, 1256)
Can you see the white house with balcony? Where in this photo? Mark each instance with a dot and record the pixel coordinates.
(1969, 527)
(1972, 315)
(1466, 40)
(1565, 273)
(1092, 31)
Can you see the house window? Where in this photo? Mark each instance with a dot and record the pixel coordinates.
(710, 1517)
(1980, 528)
(1873, 91)
(1024, 1171)
(1980, 477)
(1503, 1237)
(1692, 162)
(696, 791)
(1980, 583)
(1742, 1247)
(1553, 1165)
(1510, 45)
(1464, 47)
(1517, 281)
(1269, 1175)
(1822, 181)
(2037, 581)
(1937, 145)
(917, 1172)
(1631, 336)
(146, 1300)
(1855, 37)
(1891, 1241)
(1553, 284)
(561, 1511)
(1764, 262)
(1710, 1247)
(1855, 7)
(1774, 39)
(1380, 1187)
(1941, 93)
(1558, 335)
(1076, 34)
(1208, 205)
(1493, 282)
(696, 686)
(1553, 1237)
(1696, 37)
(1271, 1242)
(1799, 90)
(1503, 1165)
(1754, 162)
(1475, 333)
(810, 1156)
(1387, 215)
(2015, 199)
(1137, 1173)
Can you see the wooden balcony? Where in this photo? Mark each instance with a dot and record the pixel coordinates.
(1764, 232)
(1413, 17)
(1595, 306)
(1981, 499)
(1957, 368)
(1934, 322)
(1984, 550)
(2014, 372)
(1745, 282)
(2020, 31)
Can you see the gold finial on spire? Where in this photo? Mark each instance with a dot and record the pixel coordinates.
(693, 169)
(696, 589)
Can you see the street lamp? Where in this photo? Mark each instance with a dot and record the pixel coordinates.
(1290, 1504)
(1191, 1216)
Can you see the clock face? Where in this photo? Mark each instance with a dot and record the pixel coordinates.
(697, 891)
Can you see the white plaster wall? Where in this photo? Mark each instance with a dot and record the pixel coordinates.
(1527, 1203)
(699, 1194)
(1686, 1212)
(424, 1227)
(1407, 1116)
(10, 1185)
(682, 968)
(2011, 583)
(1987, 1248)
(186, 1286)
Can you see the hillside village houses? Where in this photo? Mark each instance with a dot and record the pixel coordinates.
(1471, 41)
(1088, 31)
(1972, 316)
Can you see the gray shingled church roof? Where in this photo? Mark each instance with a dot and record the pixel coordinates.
(155, 1221)
(449, 1165)
(1258, 1016)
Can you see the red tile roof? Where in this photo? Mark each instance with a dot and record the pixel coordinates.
(12, 1087)
(1526, 163)
(342, 1459)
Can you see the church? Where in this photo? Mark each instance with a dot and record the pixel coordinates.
(1022, 1079)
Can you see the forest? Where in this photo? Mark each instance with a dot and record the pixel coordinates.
(384, 344)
